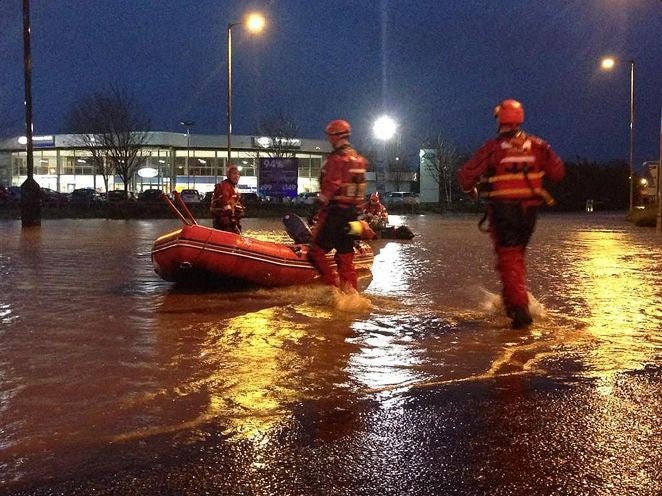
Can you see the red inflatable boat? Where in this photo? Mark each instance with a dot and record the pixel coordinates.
(224, 255)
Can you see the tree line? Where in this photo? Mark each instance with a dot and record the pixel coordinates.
(606, 184)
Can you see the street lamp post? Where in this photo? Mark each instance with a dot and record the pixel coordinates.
(30, 190)
(253, 23)
(608, 64)
(187, 125)
(659, 180)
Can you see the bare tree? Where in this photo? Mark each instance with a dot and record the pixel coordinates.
(102, 166)
(281, 133)
(442, 162)
(112, 129)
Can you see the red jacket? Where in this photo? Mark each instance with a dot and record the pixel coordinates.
(375, 209)
(343, 177)
(226, 200)
(512, 167)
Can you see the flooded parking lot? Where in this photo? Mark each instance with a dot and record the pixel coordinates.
(115, 380)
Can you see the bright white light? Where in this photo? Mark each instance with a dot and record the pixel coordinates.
(384, 128)
(148, 172)
(255, 22)
(263, 141)
(607, 63)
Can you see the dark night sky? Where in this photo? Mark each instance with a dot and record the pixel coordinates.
(436, 66)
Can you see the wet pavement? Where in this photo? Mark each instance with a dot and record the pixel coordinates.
(114, 382)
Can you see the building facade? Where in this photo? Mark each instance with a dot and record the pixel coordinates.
(168, 161)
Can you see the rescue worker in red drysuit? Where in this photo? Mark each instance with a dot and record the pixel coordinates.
(343, 185)
(509, 171)
(374, 213)
(226, 207)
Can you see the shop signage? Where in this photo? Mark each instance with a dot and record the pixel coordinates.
(278, 177)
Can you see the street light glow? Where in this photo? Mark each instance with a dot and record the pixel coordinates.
(384, 128)
(608, 63)
(255, 22)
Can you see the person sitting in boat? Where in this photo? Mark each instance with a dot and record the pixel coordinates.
(374, 213)
(226, 206)
(342, 193)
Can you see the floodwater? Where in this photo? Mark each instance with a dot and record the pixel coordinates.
(106, 370)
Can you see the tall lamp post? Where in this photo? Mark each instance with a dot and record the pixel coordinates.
(187, 125)
(608, 63)
(659, 180)
(30, 190)
(254, 23)
(384, 128)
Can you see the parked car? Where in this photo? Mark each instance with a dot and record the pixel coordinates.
(150, 195)
(402, 198)
(308, 198)
(119, 195)
(190, 196)
(14, 194)
(85, 197)
(206, 199)
(52, 198)
(250, 198)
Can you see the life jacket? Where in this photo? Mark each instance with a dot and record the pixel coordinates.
(515, 173)
(350, 167)
(374, 209)
(226, 200)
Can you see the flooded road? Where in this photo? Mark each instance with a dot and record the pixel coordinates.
(116, 382)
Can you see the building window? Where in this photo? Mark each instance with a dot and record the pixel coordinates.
(246, 166)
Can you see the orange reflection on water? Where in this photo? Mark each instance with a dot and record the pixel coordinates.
(254, 370)
(618, 285)
(619, 282)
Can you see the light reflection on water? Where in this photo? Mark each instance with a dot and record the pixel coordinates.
(621, 288)
(95, 348)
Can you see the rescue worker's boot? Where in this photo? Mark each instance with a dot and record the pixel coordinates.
(323, 265)
(347, 272)
(521, 317)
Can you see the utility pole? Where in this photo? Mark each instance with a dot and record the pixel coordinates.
(659, 180)
(30, 190)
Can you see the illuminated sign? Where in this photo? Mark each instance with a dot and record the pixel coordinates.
(38, 140)
(266, 142)
(148, 172)
(278, 177)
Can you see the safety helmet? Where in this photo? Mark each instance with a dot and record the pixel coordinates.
(509, 112)
(374, 198)
(339, 128)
